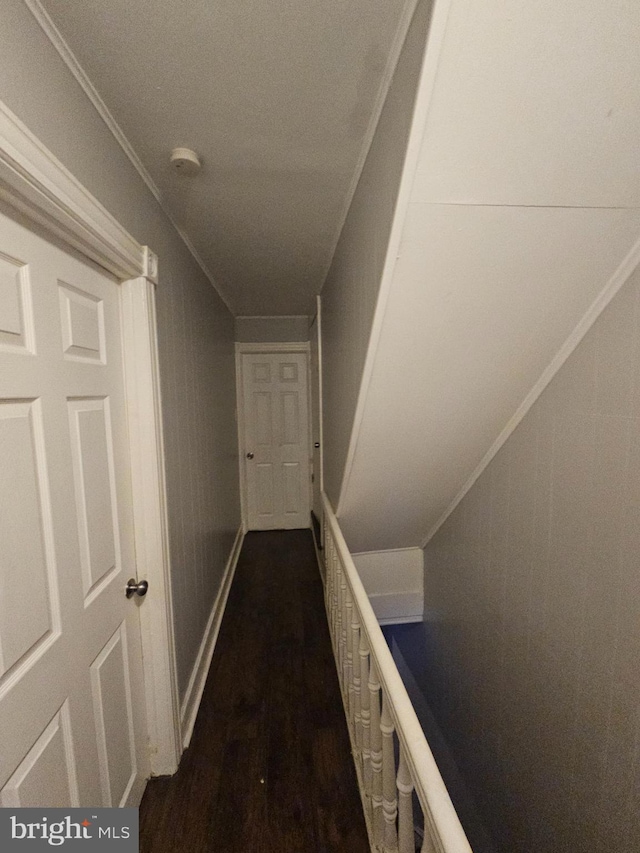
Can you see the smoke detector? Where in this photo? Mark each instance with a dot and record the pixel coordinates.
(185, 161)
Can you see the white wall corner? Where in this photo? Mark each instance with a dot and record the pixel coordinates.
(394, 582)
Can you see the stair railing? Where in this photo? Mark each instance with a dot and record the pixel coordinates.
(377, 706)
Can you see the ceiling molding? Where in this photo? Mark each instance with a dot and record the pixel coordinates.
(57, 40)
(198, 259)
(35, 182)
(399, 38)
(610, 290)
(272, 317)
(244, 348)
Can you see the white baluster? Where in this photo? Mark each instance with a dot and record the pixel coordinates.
(376, 754)
(326, 556)
(357, 682)
(343, 632)
(406, 843)
(348, 660)
(338, 628)
(388, 792)
(327, 577)
(334, 600)
(389, 795)
(365, 714)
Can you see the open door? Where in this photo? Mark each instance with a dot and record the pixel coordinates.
(72, 706)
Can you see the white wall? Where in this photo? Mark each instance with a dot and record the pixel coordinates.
(351, 289)
(195, 328)
(394, 582)
(262, 330)
(532, 661)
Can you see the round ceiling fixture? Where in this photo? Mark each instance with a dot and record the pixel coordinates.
(185, 161)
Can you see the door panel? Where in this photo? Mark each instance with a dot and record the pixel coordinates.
(16, 316)
(113, 718)
(94, 480)
(71, 682)
(276, 432)
(47, 771)
(26, 621)
(291, 487)
(82, 324)
(290, 417)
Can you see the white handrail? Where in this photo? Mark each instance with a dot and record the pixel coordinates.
(346, 594)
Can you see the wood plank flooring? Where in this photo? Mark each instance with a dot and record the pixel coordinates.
(269, 769)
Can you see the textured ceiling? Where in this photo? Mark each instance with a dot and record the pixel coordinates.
(276, 97)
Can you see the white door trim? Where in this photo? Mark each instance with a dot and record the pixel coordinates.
(299, 346)
(243, 349)
(320, 391)
(37, 184)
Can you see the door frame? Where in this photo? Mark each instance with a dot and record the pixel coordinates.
(37, 185)
(318, 320)
(243, 348)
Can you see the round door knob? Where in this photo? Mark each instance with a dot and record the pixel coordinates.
(249, 455)
(135, 588)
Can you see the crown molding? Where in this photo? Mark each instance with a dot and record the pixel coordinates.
(245, 348)
(57, 40)
(36, 183)
(272, 317)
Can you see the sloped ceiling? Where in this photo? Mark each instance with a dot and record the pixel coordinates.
(523, 204)
(277, 99)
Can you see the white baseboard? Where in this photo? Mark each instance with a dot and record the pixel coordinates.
(195, 688)
(400, 620)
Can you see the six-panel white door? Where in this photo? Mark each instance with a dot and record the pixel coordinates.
(276, 440)
(72, 727)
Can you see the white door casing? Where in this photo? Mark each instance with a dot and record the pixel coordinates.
(34, 183)
(72, 709)
(316, 411)
(274, 429)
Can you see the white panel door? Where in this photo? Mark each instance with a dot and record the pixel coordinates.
(72, 727)
(276, 440)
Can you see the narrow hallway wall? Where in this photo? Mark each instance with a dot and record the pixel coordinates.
(262, 330)
(194, 325)
(532, 595)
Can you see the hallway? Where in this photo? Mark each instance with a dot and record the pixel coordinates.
(269, 767)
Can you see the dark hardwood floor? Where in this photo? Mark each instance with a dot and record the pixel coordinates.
(269, 768)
